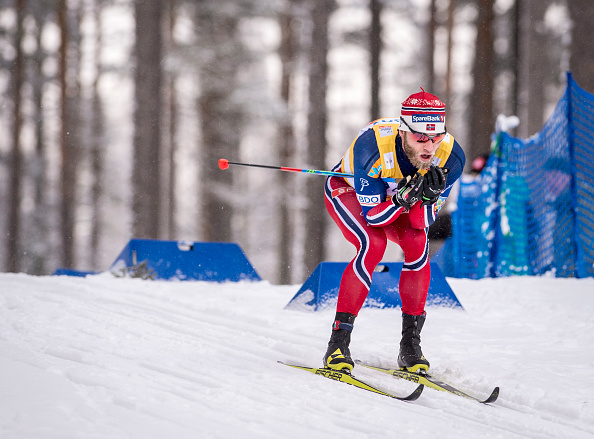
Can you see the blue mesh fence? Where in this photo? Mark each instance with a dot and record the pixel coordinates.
(530, 212)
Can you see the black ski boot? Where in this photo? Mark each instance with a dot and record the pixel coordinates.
(411, 357)
(338, 356)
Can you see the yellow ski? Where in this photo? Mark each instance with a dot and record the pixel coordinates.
(347, 378)
(427, 380)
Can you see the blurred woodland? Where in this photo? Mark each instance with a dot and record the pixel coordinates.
(115, 112)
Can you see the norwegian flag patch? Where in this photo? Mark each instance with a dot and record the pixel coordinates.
(430, 127)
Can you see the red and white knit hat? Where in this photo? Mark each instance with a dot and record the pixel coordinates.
(423, 113)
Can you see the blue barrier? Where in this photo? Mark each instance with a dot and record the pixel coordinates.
(530, 212)
(183, 260)
(75, 273)
(320, 290)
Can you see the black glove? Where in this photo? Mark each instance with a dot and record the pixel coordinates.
(433, 184)
(408, 191)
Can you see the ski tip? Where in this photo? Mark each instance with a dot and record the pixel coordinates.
(493, 397)
(415, 395)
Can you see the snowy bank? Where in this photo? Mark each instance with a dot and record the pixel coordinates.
(101, 357)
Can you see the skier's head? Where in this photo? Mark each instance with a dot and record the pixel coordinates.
(423, 113)
(422, 127)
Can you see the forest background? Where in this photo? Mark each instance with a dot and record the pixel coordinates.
(114, 113)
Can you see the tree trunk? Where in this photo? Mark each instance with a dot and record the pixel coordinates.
(146, 172)
(533, 67)
(431, 27)
(450, 30)
(375, 51)
(97, 146)
(69, 93)
(15, 191)
(582, 50)
(221, 123)
(315, 218)
(516, 33)
(482, 121)
(170, 203)
(41, 251)
(286, 144)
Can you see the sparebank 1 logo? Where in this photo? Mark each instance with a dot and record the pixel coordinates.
(427, 118)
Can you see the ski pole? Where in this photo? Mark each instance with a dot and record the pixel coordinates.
(224, 164)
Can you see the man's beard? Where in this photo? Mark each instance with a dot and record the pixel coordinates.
(412, 155)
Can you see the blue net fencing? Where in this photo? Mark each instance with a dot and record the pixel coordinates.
(530, 211)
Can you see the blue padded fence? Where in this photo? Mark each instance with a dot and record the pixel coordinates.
(530, 210)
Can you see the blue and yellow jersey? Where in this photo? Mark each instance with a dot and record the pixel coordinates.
(377, 154)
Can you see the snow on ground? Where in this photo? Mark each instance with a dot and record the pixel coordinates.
(102, 357)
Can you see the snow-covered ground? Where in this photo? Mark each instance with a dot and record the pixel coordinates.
(124, 358)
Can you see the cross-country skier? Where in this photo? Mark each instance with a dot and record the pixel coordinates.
(417, 151)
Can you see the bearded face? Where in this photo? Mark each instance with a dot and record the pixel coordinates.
(419, 154)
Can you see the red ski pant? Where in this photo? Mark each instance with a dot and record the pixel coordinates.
(370, 243)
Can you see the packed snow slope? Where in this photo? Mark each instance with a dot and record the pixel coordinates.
(102, 357)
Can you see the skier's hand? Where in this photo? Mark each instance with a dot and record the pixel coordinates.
(433, 184)
(408, 191)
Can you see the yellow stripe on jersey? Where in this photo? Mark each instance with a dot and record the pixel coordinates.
(347, 165)
(386, 131)
(385, 136)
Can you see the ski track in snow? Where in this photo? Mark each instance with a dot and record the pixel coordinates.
(102, 357)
